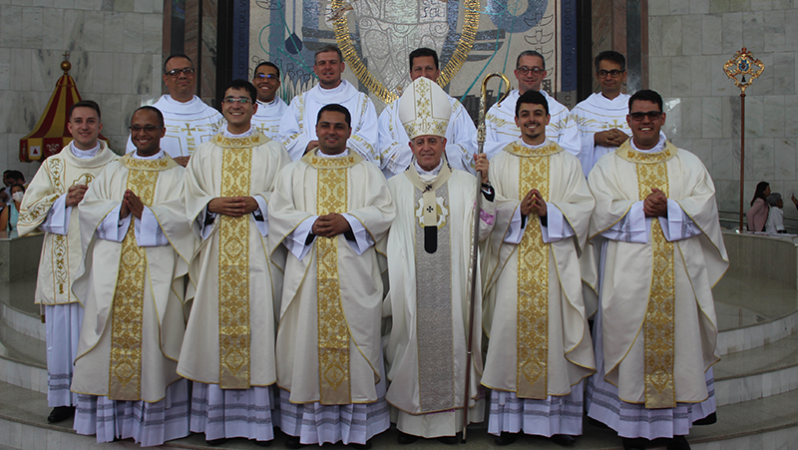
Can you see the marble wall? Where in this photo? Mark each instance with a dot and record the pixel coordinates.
(689, 41)
(115, 51)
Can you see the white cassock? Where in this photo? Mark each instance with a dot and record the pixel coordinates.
(132, 288)
(428, 303)
(501, 130)
(228, 350)
(329, 359)
(540, 348)
(267, 118)
(395, 153)
(298, 126)
(188, 125)
(44, 208)
(598, 113)
(656, 329)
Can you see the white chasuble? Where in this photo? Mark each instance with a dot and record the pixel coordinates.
(501, 130)
(429, 295)
(534, 314)
(134, 322)
(298, 126)
(188, 125)
(61, 254)
(659, 326)
(595, 114)
(328, 342)
(230, 333)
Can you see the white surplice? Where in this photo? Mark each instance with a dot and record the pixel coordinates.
(298, 126)
(501, 130)
(598, 113)
(188, 125)
(268, 116)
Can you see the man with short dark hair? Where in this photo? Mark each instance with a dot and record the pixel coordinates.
(501, 130)
(271, 107)
(461, 134)
(656, 224)
(50, 205)
(329, 210)
(539, 349)
(136, 246)
(228, 350)
(601, 118)
(298, 127)
(189, 121)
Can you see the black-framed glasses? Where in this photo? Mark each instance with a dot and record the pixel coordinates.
(147, 128)
(535, 70)
(612, 73)
(232, 101)
(174, 73)
(268, 76)
(652, 115)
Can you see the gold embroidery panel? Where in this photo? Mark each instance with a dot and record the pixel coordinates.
(658, 327)
(234, 333)
(124, 382)
(333, 331)
(533, 290)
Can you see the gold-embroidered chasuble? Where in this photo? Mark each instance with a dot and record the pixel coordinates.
(234, 332)
(333, 330)
(533, 281)
(658, 328)
(124, 382)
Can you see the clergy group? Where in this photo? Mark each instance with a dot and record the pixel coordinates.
(328, 271)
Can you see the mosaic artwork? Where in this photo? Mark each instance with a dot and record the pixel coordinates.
(472, 37)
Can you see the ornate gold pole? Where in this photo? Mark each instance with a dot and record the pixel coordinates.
(742, 64)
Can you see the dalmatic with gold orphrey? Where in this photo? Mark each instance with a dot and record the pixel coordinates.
(124, 382)
(658, 327)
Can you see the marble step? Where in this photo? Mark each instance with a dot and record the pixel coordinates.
(768, 424)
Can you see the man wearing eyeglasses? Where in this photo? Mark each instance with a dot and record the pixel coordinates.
(601, 118)
(136, 244)
(500, 126)
(189, 121)
(656, 223)
(271, 107)
(228, 350)
(461, 134)
(298, 127)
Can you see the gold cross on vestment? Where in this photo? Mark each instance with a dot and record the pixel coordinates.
(189, 129)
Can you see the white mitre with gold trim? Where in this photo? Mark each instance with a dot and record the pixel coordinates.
(424, 109)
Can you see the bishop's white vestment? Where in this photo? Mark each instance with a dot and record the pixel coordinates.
(428, 301)
(329, 359)
(395, 153)
(44, 207)
(268, 116)
(228, 350)
(656, 329)
(501, 130)
(132, 289)
(595, 114)
(540, 348)
(188, 125)
(298, 126)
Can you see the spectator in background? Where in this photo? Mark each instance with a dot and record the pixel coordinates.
(775, 222)
(10, 215)
(758, 214)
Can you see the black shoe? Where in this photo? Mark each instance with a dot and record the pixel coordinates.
(566, 440)
(506, 438)
(263, 443)
(405, 438)
(365, 446)
(708, 420)
(293, 442)
(678, 443)
(448, 440)
(60, 414)
(215, 442)
(635, 443)
(596, 423)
